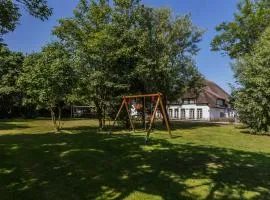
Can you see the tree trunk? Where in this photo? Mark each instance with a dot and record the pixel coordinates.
(59, 118)
(104, 117)
(54, 120)
(127, 123)
(99, 115)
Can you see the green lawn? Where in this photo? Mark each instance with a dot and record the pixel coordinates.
(200, 162)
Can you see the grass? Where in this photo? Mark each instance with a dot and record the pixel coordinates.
(201, 161)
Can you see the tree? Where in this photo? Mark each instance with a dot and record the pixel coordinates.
(47, 79)
(252, 99)
(104, 50)
(126, 47)
(167, 46)
(237, 38)
(10, 68)
(10, 12)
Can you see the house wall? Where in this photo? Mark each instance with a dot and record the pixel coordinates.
(205, 111)
(216, 113)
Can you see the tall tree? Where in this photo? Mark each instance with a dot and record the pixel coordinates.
(236, 38)
(167, 46)
(103, 48)
(10, 68)
(10, 12)
(252, 99)
(124, 47)
(47, 79)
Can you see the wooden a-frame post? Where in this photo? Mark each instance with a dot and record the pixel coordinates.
(124, 103)
(159, 102)
(163, 111)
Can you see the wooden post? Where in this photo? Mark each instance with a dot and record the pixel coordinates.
(144, 113)
(118, 113)
(152, 119)
(129, 117)
(165, 117)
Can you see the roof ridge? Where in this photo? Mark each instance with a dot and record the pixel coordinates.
(217, 86)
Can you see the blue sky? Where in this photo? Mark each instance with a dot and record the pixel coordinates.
(31, 34)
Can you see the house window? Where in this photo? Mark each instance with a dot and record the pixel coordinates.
(170, 113)
(185, 101)
(220, 102)
(189, 101)
(183, 114)
(192, 101)
(199, 113)
(222, 114)
(176, 113)
(191, 113)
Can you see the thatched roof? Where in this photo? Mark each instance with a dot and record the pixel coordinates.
(209, 94)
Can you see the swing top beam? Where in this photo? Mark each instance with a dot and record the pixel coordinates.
(142, 95)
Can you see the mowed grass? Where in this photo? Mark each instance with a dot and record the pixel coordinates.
(201, 161)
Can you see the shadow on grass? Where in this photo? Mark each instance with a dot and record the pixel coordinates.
(253, 132)
(192, 125)
(246, 130)
(97, 166)
(178, 125)
(8, 126)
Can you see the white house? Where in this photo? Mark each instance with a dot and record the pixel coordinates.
(212, 103)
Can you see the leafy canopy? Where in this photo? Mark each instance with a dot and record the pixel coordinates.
(253, 98)
(47, 78)
(10, 12)
(10, 68)
(237, 38)
(125, 47)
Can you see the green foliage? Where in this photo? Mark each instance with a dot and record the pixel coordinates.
(242, 39)
(10, 67)
(10, 12)
(126, 47)
(237, 38)
(47, 79)
(253, 97)
(166, 46)
(98, 53)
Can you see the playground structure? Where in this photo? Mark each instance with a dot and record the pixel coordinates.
(82, 111)
(157, 99)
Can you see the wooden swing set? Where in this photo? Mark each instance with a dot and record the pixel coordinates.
(157, 98)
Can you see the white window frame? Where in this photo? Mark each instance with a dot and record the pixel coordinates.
(183, 113)
(192, 111)
(199, 113)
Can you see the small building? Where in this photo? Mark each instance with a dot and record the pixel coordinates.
(212, 103)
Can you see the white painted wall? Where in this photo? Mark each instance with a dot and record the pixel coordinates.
(207, 112)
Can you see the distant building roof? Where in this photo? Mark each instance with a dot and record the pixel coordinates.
(209, 94)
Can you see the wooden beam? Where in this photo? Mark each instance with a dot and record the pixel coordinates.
(152, 119)
(142, 95)
(165, 117)
(129, 117)
(144, 113)
(119, 111)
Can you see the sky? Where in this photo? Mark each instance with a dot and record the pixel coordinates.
(31, 34)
